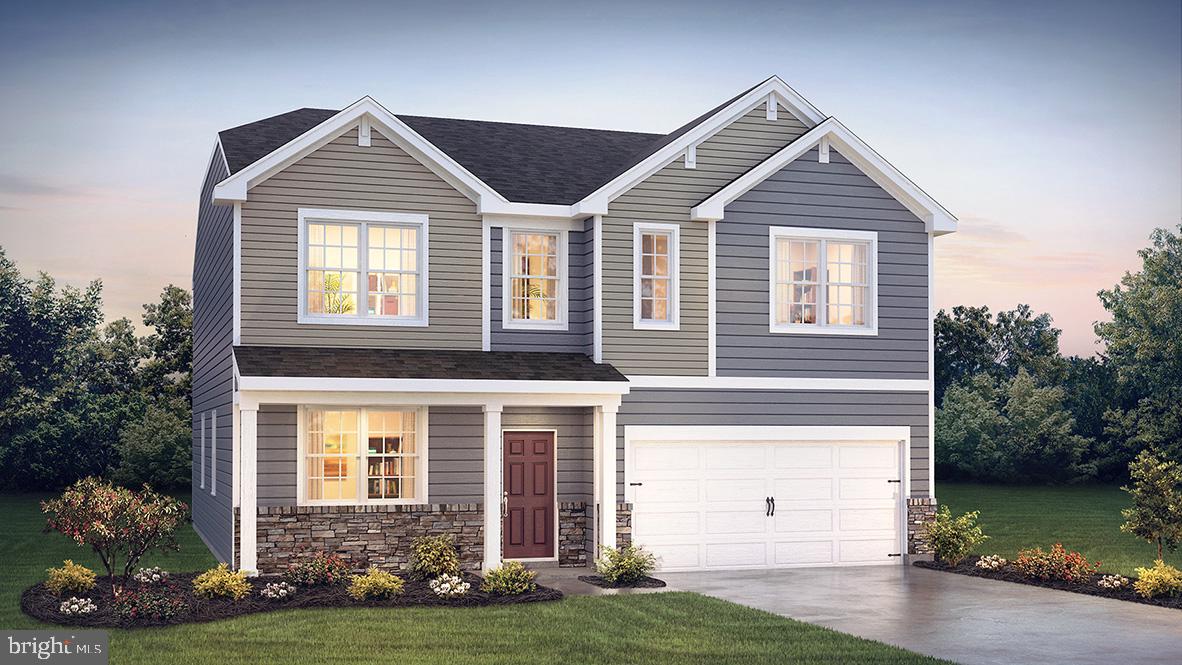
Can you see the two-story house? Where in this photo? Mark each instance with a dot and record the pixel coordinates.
(714, 342)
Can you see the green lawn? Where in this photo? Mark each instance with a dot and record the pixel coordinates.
(650, 629)
(1084, 518)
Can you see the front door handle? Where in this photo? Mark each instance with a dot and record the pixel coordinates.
(504, 504)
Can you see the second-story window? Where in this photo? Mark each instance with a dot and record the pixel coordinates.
(655, 251)
(535, 279)
(362, 267)
(823, 280)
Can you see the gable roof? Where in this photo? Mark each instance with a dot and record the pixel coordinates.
(526, 163)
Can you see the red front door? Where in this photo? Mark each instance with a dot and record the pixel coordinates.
(528, 528)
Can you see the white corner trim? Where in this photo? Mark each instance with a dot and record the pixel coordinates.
(935, 217)
(931, 294)
(597, 290)
(364, 137)
(453, 386)
(213, 452)
(776, 383)
(803, 233)
(485, 288)
(712, 298)
(202, 450)
(363, 217)
(507, 321)
(772, 107)
(237, 334)
(691, 157)
(674, 231)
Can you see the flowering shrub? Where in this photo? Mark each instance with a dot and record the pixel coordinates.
(320, 570)
(1113, 582)
(509, 579)
(626, 565)
(119, 525)
(70, 577)
(1160, 580)
(953, 538)
(221, 582)
(433, 556)
(158, 603)
(991, 562)
(278, 591)
(375, 583)
(449, 586)
(75, 606)
(1056, 564)
(153, 575)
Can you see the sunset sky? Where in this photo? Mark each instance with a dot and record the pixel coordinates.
(1052, 130)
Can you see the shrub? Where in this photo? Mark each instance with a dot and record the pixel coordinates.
(119, 525)
(153, 575)
(278, 591)
(1113, 582)
(509, 579)
(159, 603)
(991, 562)
(449, 586)
(320, 570)
(626, 565)
(74, 606)
(1160, 580)
(156, 449)
(953, 538)
(70, 577)
(375, 584)
(1156, 514)
(433, 556)
(221, 582)
(1055, 564)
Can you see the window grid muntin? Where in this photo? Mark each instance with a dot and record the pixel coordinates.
(651, 259)
(544, 255)
(782, 281)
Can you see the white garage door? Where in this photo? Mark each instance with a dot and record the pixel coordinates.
(764, 504)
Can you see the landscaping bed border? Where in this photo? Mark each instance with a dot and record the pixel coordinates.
(1008, 574)
(645, 582)
(42, 604)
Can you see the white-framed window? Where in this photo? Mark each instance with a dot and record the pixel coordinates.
(362, 455)
(656, 251)
(202, 450)
(823, 281)
(213, 452)
(534, 280)
(363, 268)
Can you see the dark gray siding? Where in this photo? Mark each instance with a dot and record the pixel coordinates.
(781, 408)
(213, 364)
(577, 337)
(836, 195)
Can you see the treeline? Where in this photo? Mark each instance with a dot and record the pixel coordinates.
(1011, 408)
(79, 398)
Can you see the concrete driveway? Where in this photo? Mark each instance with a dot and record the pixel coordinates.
(963, 619)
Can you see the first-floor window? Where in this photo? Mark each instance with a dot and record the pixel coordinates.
(360, 455)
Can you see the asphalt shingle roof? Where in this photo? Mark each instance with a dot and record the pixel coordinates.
(287, 361)
(524, 163)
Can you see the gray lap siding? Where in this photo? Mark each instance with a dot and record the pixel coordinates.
(781, 408)
(836, 195)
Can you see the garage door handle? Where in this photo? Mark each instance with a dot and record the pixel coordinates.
(773, 506)
(767, 506)
(635, 484)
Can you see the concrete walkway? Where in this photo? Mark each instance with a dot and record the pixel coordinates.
(963, 619)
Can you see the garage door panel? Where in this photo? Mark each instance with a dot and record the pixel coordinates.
(803, 521)
(796, 457)
(728, 555)
(655, 524)
(735, 521)
(865, 488)
(667, 457)
(671, 557)
(803, 552)
(865, 519)
(867, 457)
(802, 489)
(749, 490)
(723, 457)
(866, 551)
(667, 491)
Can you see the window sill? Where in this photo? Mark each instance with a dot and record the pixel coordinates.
(355, 504)
(540, 326)
(360, 321)
(823, 330)
(656, 325)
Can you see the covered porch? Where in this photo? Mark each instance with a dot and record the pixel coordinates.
(361, 450)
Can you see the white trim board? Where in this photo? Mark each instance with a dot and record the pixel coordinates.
(329, 384)
(935, 217)
(776, 383)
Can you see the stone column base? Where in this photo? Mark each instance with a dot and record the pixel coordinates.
(919, 511)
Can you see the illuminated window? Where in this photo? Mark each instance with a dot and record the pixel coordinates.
(654, 275)
(823, 280)
(535, 277)
(389, 467)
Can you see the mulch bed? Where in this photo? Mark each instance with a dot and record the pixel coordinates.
(1008, 574)
(41, 604)
(644, 583)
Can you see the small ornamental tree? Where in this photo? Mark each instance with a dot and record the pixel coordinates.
(1156, 514)
(119, 524)
(952, 538)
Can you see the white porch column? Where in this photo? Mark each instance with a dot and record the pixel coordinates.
(607, 474)
(248, 486)
(493, 469)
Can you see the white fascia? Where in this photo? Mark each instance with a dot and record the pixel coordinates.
(936, 218)
(451, 386)
(596, 203)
